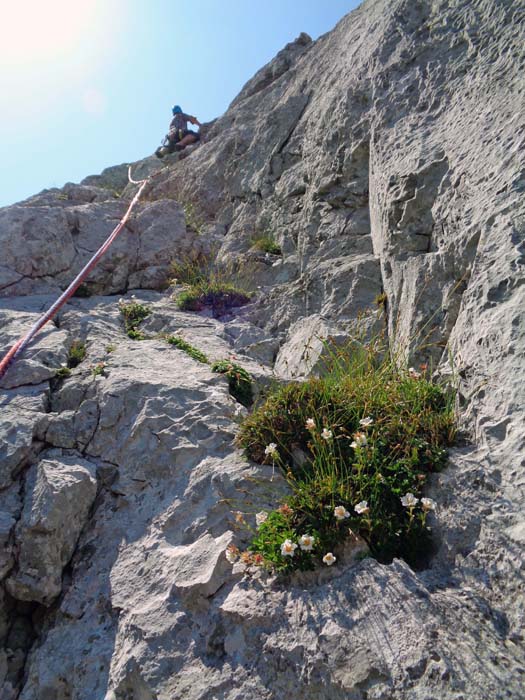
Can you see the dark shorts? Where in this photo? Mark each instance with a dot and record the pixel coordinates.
(175, 138)
(193, 133)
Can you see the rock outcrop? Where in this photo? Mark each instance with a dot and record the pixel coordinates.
(387, 161)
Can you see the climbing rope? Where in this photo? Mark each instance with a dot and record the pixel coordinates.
(21, 344)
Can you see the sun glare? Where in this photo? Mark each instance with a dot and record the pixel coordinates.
(41, 30)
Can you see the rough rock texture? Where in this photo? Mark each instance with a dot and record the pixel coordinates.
(386, 158)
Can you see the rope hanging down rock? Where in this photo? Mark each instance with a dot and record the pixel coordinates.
(21, 344)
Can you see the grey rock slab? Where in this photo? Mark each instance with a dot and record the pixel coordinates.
(23, 420)
(58, 497)
(308, 347)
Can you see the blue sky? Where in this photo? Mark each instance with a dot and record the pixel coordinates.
(90, 83)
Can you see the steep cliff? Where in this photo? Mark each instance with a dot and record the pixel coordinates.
(385, 158)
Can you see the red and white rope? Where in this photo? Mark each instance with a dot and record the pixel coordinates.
(21, 344)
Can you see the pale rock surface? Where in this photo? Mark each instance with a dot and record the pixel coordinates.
(385, 157)
(58, 496)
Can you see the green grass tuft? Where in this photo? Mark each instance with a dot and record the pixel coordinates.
(239, 381)
(266, 244)
(77, 353)
(412, 424)
(133, 313)
(63, 372)
(193, 352)
(210, 284)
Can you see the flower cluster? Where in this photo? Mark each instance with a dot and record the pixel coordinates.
(306, 544)
(360, 440)
(410, 501)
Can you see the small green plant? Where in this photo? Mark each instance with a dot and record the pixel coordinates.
(193, 352)
(266, 244)
(63, 372)
(239, 381)
(99, 370)
(77, 353)
(356, 446)
(209, 284)
(133, 312)
(110, 348)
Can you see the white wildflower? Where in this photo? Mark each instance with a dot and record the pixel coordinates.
(341, 513)
(310, 424)
(409, 500)
(362, 508)
(261, 517)
(326, 434)
(360, 440)
(306, 542)
(288, 548)
(428, 504)
(366, 422)
(329, 559)
(271, 450)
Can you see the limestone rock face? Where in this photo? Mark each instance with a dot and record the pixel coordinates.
(32, 234)
(386, 159)
(58, 497)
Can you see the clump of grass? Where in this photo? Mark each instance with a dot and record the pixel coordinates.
(219, 296)
(63, 372)
(133, 313)
(209, 284)
(77, 353)
(266, 244)
(239, 381)
(189, 349)
(357, 446)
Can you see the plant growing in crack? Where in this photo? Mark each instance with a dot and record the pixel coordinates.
(356, 447)
(266, 244)
(76, 354)
(209, 283)
(134, 313)
(99, 369)
(239, 380)
(62, 372)
(189, 349)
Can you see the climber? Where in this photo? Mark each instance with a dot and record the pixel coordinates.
(179, 135)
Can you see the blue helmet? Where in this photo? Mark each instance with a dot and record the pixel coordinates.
(176, 110)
